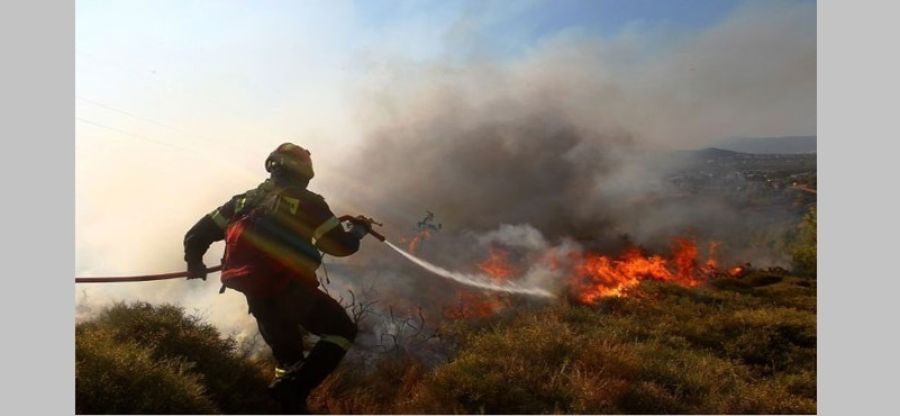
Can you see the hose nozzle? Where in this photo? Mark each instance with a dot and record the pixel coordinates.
(369, 224)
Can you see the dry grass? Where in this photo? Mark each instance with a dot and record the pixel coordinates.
(733, 346)
(739, 347)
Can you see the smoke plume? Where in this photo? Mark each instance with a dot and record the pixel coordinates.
(570, 140)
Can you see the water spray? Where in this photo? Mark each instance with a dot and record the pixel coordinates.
(475, 280)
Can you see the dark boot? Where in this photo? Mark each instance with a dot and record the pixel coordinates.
(294, 388)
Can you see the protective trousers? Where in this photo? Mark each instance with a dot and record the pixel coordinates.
(279, 319)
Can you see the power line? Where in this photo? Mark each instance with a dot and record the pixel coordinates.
(118, 130)
(195, 152)
(149, 120)
(129, 114)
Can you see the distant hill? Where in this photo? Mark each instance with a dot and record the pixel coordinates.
(782, 145)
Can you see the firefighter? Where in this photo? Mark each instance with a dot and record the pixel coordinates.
(273, 236)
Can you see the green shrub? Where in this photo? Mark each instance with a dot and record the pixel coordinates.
(165, 334)
(112, 376)
(803, 249)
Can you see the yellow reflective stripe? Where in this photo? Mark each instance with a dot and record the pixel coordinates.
(240, 204)
(337, 340)
(280, 372)
(293, 203)
(218, 218)
(326, 226)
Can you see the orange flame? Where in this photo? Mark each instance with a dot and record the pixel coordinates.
(496, 266)
(736, 271)
(552, 260)
(596, 276)
(414, 244)
(593, 276)
(712, 252)
(475, 305)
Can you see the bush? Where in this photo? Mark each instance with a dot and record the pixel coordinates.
(203, 361)
(123, 377)
(803, 251)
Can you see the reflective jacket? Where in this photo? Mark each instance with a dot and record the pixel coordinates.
(273, 234)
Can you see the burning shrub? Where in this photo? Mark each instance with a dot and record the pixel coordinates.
(597, 276)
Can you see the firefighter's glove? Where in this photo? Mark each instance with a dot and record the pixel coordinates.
(360, 227)
(196, 270)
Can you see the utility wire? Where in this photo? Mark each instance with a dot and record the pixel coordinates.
(129, 114)
(150, 120)
(139, 136)
(138, 117)
(195, 152)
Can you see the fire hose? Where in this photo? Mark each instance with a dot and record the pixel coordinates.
(175, 275)
(143, 278)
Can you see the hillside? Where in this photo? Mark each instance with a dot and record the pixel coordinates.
(737, 346)
(733, 346)
(769, 145)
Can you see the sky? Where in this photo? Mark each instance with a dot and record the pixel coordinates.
(249, 66)
(179, 102)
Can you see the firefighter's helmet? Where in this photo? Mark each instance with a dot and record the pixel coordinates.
(292, 160)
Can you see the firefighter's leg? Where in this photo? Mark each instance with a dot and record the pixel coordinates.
(280, 332)
(336, 332)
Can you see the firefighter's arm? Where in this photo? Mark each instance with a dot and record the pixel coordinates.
(331, 237)
(207, 230)
(338, 242)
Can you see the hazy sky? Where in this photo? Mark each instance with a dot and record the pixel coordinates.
(179, 102)
(266, 70)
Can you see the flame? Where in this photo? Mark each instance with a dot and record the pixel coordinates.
(597, 276)
(736, 271)
(476, 304)
(473, 304)
(496, 266)
(414, 243)
(593, 276)
(712, 252)
(552, 259)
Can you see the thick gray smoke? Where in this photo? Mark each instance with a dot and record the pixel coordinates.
(568, 137)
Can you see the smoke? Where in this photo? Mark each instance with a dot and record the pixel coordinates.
(568, 136)
(524, 236)
(131, 214)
